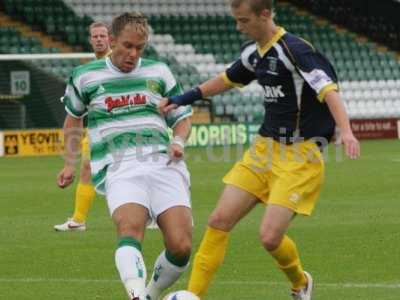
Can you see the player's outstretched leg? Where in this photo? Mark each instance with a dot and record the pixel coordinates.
(167, 270)
(304, 293)
(131, 267)
(274, 239)
(130, 220)
(176, 226)
(232, 206)
(207, 260)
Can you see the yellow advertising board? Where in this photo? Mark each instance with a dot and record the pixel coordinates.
(33, 142)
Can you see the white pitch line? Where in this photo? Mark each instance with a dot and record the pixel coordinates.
(235, 283)
(318, 285)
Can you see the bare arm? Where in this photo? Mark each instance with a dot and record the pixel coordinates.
(182, 129)
(214, 86)
(336, 107)
(181, 133)
(72, 141)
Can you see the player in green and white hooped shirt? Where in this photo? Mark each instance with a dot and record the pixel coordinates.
(133, 161)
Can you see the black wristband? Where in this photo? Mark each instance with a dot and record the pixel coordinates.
(187, 98)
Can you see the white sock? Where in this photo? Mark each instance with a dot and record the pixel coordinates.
(132, 270)
(164, 275)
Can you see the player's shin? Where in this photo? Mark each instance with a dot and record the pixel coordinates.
(287, 258)
(207, 260)
(167, 270)
(130, 265)
(84, 197)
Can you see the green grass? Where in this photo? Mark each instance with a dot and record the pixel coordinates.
(350, 245)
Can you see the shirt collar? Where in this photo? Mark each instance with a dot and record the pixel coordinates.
(116, 69)
(262, 50)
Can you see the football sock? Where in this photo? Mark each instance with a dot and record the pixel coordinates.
(208, 258)
(167, 270)
(84, 197)
(287, 257)
(130, 265)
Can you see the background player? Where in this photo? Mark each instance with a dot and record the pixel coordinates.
(85, 193)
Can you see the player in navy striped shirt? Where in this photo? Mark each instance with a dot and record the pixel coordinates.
(284, 168)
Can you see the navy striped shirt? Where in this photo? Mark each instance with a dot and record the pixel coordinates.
(295, 78)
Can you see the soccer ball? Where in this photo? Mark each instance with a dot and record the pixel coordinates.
(181, 295)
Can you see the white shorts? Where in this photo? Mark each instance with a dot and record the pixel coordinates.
(149, 182)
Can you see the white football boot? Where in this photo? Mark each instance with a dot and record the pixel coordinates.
(304, 293)
(70, 225)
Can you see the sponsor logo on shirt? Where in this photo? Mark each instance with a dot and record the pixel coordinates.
(273, 93)
(125, 100)
(272, 65)
(154, 86)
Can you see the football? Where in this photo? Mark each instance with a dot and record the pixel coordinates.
(181, 295)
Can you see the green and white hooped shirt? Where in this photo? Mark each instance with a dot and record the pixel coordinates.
(123, 120)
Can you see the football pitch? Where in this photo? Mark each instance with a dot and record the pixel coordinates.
(350, 245)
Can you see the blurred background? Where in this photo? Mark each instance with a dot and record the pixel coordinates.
(197, 38)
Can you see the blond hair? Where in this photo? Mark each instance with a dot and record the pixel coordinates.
(135, 19)
(99, 24)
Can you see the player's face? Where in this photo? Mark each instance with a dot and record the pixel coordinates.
(127, 48)
(250, 23)
(99, 39)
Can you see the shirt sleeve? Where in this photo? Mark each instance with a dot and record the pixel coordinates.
(241, 72)
(316, 70)
(74, 104)
(173, 88)
(237, 75)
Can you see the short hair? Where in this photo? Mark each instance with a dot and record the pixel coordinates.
(99, 24)
(256, 5)
(135, 19)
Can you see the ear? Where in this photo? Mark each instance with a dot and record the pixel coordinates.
(266, 13)
(112, 40)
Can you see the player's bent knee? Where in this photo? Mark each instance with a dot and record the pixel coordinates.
(129, 229)
(270, 241)
(86, 166)
(220, 221)
(181, 248)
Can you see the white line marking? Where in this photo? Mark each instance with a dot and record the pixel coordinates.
(233, 283)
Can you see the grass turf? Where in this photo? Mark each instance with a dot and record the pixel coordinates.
(350, 244)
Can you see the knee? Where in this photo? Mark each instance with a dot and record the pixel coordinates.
(128, 228)
(270, 240)
(181, 248)
(219, 220)
(86, 166)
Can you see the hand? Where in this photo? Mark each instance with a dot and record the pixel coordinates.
(165, 107)
(66, 177)
(175, 153)
(351, 145)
